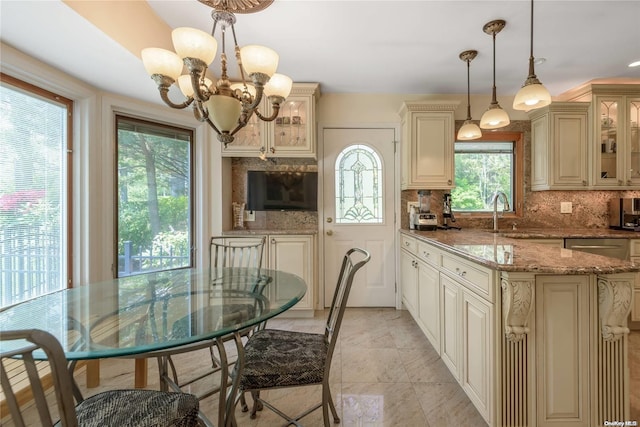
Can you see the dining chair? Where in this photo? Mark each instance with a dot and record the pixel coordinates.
(224, 252)
(280, 359)
(117, 408)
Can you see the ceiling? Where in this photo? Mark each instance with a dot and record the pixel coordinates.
(407, 47)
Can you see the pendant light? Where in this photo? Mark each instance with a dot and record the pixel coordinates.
(533, 94)
(469, 130)
(495, 117)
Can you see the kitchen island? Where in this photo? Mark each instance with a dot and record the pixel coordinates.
(536, 335)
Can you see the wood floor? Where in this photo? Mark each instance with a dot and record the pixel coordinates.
(384, 373)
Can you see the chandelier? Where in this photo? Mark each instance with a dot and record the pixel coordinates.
(227, 107)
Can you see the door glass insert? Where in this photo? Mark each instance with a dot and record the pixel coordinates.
(634, 119)
(358, 186)
(609, 139)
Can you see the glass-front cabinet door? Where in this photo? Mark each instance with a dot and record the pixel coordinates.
(608, 132)
(291, 134)
(618, 154)
(291, 128)
(633, 159)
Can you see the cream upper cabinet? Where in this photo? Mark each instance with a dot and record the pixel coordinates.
(616, 134)
(428, 130)
(291, 134)
(559, 146)
(615, 141)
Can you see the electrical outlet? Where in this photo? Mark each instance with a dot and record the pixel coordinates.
(249, 216)
(409, 204)
(566, 207)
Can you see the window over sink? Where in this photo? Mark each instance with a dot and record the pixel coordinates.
(484, 166)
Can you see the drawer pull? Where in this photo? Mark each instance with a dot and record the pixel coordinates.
(460, 273)
(426, 254)
(406, 243)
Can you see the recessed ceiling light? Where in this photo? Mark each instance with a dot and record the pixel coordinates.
(635, 64)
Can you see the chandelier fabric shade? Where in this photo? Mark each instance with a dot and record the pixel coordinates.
(469, 129)
(227, 107)
(533, 94)
(495, 117)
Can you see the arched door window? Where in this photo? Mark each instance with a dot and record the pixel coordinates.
(358, 186)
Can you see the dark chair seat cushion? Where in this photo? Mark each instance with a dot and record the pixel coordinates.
(138, 408)
(276, 358)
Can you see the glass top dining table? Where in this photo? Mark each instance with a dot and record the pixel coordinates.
(155, 312)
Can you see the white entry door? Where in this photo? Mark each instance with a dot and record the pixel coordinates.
(358, 210)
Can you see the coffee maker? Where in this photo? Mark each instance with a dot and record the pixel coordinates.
(424, 219)
(447, 213)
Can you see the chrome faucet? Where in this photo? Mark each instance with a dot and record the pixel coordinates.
(505, 207)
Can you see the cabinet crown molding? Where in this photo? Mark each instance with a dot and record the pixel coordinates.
(411, 106)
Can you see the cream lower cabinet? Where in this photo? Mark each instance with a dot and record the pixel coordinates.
(467, 342)
(429, 302)
(450, 308)
(295, 254)
(562, 337)
(409, 281)
(420, 283)
(477, 352)
(634, 251)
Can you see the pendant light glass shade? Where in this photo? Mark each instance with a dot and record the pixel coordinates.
(162, 62)
(194, 43)
(533, 94)
(469, 130)
(495, 117)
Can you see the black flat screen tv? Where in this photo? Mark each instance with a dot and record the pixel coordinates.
(282, 191)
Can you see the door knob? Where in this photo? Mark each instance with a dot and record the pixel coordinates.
(329, 220)
(330, 233)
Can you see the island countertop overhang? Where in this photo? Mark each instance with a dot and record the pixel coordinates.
(501, 253)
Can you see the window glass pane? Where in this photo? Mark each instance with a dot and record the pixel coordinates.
(481, 169)
(358, 186)
(154, 197)
(33, 142)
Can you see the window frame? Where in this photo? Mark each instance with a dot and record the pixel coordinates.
(192, 188)
(517, 138)
(68, 190)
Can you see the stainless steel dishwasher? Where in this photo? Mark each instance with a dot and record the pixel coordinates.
(614, 248)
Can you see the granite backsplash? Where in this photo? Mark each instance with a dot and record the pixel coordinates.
(272, 220)
(541, 209)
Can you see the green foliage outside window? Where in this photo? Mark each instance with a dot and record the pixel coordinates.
(481, 169)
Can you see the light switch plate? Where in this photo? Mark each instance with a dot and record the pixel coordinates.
(566, 207)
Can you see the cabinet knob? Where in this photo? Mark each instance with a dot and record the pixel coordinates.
(449, 182)
(273, 240)
(584, 183)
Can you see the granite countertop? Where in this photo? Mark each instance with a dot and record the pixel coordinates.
(500, 252)
(574, 233)
(264, 232)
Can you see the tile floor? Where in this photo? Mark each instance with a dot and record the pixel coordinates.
(384, 373)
